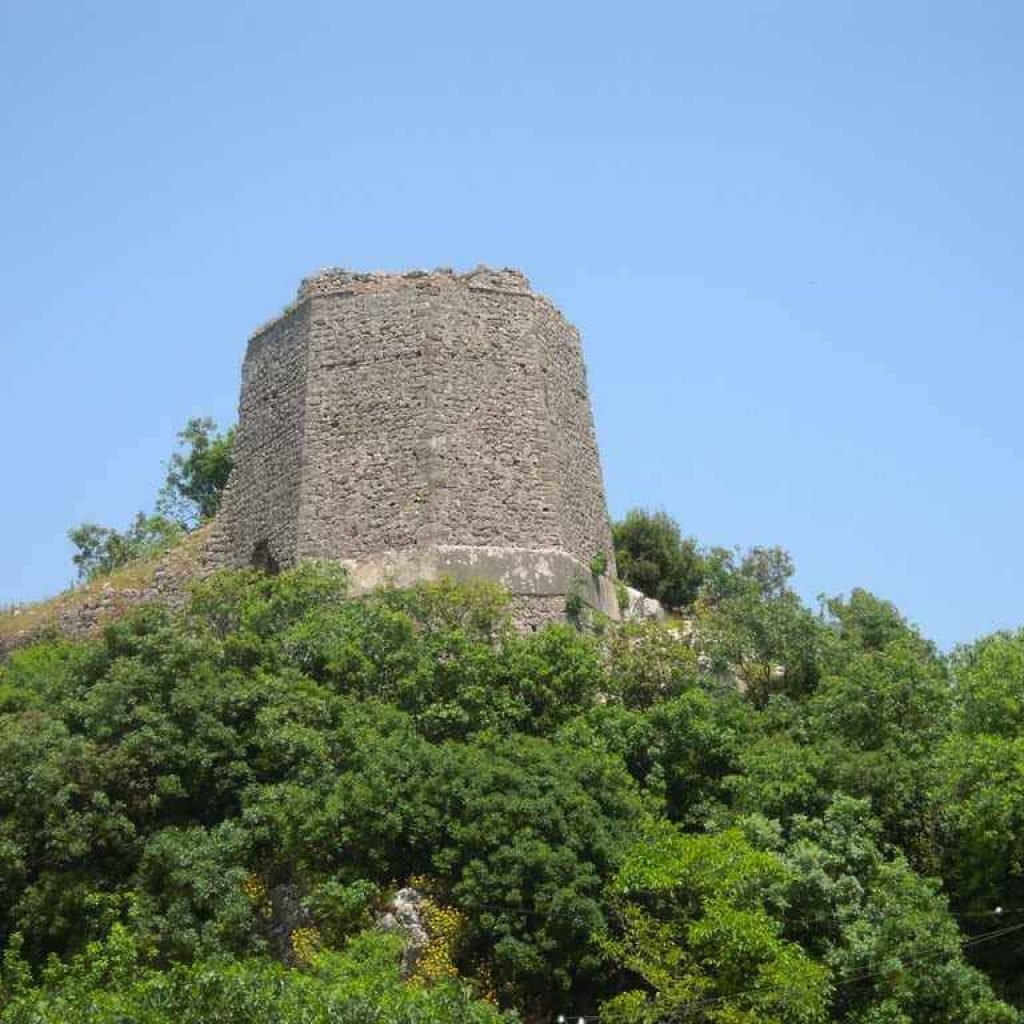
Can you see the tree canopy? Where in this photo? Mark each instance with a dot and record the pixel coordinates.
(652, 555)
(765, 814)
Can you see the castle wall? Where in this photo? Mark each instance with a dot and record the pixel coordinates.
(417, 425)
(493, 485)
(368, 448)
(582, 514)
(261, 505)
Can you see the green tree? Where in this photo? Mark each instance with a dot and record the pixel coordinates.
(879, 720)
(534, 829)
(197, 476)
(648, 663)
(101, 550)
(885, 932)
(196, 479)
(981, 789)
(754, 629)
(866, 622)
(989, 678)
(701, 931)
(653, 556)
(209, 794)
(111, 984)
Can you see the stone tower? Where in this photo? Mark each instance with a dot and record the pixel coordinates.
(417, 425)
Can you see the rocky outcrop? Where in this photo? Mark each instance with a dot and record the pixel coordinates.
(288, 914)
(641, 608)
(404, 917)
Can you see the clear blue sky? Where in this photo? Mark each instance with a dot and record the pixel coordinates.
(789, 232)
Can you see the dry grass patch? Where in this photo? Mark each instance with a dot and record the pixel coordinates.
(102, 599)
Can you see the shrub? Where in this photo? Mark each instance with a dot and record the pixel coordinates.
(654, 557)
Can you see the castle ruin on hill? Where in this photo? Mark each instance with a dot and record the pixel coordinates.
(408, 426)
(418, 425)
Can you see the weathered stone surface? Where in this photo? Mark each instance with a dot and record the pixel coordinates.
(417, 425)
(404, 917)
(641, 608)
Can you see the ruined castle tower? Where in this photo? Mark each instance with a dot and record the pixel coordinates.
(417, 425)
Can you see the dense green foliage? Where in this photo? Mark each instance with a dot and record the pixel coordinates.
(777, 816)
(653, 556)
(109, 984)
(196, 478)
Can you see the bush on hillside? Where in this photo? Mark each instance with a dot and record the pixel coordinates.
(652, 555)
(202, 812)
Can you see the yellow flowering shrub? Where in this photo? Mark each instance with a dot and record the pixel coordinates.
(256, 890)
(306, 943)
(444, 925)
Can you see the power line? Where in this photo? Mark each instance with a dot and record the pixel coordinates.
(795, 919)
(844, 981)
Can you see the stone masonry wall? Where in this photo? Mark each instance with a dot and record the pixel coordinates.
(412, 425)
(582, 512)
(262, 501)
(495, 485)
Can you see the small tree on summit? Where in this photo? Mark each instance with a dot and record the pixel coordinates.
(101, 550)
(196, 478)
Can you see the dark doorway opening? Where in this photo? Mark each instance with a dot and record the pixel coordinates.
(263, 559)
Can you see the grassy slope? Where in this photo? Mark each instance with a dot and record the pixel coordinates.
(108, 595)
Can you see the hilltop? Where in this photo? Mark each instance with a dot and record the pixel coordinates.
(208, 809)
(241, 782)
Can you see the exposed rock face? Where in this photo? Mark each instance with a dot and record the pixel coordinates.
(641, 608)
(404, 917)
(287, 915)
(417, 425)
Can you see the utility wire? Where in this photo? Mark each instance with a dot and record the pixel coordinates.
(844, 981)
